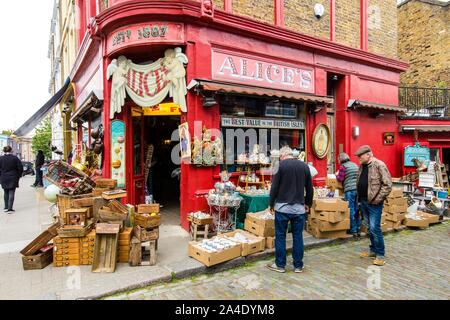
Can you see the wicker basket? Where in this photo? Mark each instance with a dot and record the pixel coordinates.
(61, 170)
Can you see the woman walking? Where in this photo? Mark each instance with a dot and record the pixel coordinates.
(11, 169)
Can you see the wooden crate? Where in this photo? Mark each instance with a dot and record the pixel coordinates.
(97, 192)
(66, 202)
(147, 221)
(38, 261)
(41, 241)
(84, 213)
(105, 214)
(72, 232)
(200, 222)
(105, 252)
(117, 206)
(114, 194)
(106, 183)
(143, 234)
(149, 208)
(148, 253)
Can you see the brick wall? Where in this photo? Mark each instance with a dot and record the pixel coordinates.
(347, 22)
(299, 16)
(424, 42)
(262, 10)
(382, 27)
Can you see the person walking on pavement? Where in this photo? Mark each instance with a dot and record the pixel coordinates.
(347, 174)
(11, 170)
(289, 204)
(40, 160)
(373, 186)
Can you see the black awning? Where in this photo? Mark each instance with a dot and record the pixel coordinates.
(36, 118)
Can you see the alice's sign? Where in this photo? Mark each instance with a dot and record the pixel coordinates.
(262, 123)
(261, 72)
(418, 152)
(144, 33)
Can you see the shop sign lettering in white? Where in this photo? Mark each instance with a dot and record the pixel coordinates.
(262, 123)
(261, 72)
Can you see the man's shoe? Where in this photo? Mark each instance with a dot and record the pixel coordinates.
(10, 211)
(274, 267)
(368, 255)
(379, 262)
(298, 270)
(5, 210)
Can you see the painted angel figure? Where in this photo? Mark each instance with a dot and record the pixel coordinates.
(118, 70)
(174, 61)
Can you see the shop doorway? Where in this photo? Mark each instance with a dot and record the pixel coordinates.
(446, 159)
(161, 174)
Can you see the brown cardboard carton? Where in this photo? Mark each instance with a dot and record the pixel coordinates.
(255, 245)
(420, 219)
(396, 201)
(331, 204)
(254, 217)
(384, 227)
(327, 226)
(393, 225)
(432, 218)
(395, 217)
(259, 230)
(396, 193)
(270, 242)
(395, 208)
(328, 235)
(333, 216)
(333, 184)
(383, 217)
(210, 259)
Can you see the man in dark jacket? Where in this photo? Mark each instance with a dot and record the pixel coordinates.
(289, 203)
(11, 169)
(40, 160)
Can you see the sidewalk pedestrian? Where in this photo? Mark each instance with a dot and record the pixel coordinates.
(373, 186)
(40, 160)
(11, 169)
(289, 204)
(348, 174)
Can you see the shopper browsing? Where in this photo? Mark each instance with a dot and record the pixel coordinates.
(289, 204)
(11, 169)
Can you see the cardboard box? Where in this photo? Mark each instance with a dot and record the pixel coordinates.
(332, 182)
(383, 217)
(210, 259)
(396, 201)
(393, 225)
(432, 218)
(384, 227)
(395, 208)
(396, 193)
(328, 226)
(256, 244)
(420, 219)
(333, 216)
(254, 217)
(258, 229)
(331, 204)
(395, 217)
(329, 234)
(270, 242)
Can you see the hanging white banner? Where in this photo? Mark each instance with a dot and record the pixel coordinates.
(148, 85)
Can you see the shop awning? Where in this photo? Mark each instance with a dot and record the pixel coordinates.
(425, 128)
(92, 103)
(36, 118)
(356, 104)
(222, 87)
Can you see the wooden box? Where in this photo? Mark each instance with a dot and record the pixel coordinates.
(117, 206)
(105, 250)
(149, 208)
(83, 202)
(114, 194)
(67, 202)
(77, 216)
(106, 183)
(200, 222)
(148, 253)
(41, 241)
(143, 234)
(105, 214)
(69, 231)
(97, 192)
(40, 260)
(147, 221)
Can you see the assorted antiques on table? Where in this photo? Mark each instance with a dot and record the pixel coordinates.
(94, 227)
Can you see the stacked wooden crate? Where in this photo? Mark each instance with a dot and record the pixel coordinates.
(125, 244)
(73, 251)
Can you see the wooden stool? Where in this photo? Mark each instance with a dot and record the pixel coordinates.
(199, 230)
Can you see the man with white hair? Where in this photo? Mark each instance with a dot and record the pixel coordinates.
(289, 204)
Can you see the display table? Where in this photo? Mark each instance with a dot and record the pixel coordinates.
(251, 203)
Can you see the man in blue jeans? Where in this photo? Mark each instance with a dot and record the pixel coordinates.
(289, 203)
(374, 185)
(347, 174)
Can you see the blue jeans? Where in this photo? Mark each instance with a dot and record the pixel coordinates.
(355, 221)
(372, 220)
(297, 225)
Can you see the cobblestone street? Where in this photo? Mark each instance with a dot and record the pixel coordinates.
(417, 268)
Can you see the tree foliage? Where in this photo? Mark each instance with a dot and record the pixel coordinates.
(7, 132)
(42, 139)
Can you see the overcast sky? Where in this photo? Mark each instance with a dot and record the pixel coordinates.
(25, 67)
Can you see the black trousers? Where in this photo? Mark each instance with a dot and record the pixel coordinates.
(9, 198)
(38, 181)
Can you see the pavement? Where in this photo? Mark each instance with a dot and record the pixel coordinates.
(32, 216)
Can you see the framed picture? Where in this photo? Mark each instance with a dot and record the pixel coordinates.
(321, 141)
(388, 138)
(185, 141)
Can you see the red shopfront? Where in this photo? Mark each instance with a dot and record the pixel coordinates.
(239, 56)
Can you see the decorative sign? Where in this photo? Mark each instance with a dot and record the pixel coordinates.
(421, 153)
(261, 72)
(262, 123)
(388, 138)
(144, 33)
(148, 85)
(185, 141)
(321, 141)
(118, 152)
(163, 109)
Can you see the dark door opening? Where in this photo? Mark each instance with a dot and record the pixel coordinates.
(446, 159)
(161, 181)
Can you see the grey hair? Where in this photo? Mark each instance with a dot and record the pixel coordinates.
(343, 157)
(286, 151)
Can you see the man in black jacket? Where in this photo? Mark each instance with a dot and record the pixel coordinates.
(11, 169)
(289, 203)
(40, 160)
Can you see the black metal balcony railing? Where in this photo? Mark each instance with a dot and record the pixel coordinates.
(426, 102)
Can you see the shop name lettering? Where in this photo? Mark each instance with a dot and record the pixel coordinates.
(242, 68)
(262, 123)
(143, 33)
